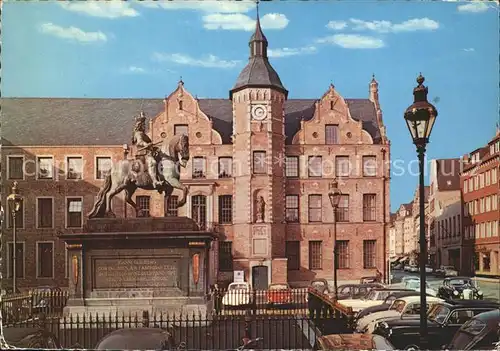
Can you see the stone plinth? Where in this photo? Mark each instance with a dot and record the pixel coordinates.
(127, 265)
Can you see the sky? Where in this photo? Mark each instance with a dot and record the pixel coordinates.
(141, 49)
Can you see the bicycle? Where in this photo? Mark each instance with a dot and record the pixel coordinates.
(247, 343)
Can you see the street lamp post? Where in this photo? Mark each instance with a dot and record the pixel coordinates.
(15, 201)
(420, 118)
(334, 196)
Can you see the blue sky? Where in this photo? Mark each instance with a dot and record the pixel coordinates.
(128, 49)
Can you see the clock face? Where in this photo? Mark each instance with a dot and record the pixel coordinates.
(259, 112)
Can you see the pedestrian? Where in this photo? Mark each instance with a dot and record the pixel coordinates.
(379, 276)
(217, 299)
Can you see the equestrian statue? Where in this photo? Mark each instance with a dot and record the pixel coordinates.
(154, 168)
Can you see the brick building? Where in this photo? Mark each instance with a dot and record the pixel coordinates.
(258, 143)
(479, 182)
(444, 219)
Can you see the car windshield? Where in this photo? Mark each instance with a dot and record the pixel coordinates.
(278, 287)
(398, 305)
(318, 284)
(438, 313)
(372, 295)
(459, 282)
(238, 287)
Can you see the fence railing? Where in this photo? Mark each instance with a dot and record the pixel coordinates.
(20, 307)
(196, 332)
(278, 302)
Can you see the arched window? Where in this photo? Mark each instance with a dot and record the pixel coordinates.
(199, 210)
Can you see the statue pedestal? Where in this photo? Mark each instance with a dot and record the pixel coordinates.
(128, 264)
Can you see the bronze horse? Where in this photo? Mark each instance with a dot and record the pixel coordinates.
(129, 175)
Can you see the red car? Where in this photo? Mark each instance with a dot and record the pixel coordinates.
(279, 294)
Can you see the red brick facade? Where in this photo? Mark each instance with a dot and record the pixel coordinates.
(254, 241)
(480, 181)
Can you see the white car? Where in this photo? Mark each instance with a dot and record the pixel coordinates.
(409, 305)
(413, 269)
(415, 285)
(373, 298)
(428, 269)
(238, 294)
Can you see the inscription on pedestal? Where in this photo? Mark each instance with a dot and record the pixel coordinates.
(116, 273)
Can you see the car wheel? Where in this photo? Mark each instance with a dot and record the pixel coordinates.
(412, 347)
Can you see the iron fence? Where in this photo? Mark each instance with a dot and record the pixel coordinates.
(197, 332)
(18, 307)
(260, 302)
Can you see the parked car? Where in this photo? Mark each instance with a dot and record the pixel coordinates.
(279, 294)
(413, 268)
(459, 288)
(408, 278)
(238, 294)
(447, 271)
(480, 333)
(406, 268)
(373, 298)
(137, 339)
(321, 285)
(414, 284)
(444, 319)
(429, 269)
(31, 338)
(353, 291)
(386, 304)
(47, 299)
(409, 305)
(353, 342)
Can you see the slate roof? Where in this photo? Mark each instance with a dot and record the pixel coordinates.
(81, 121)
(258, 73)
(448, 174)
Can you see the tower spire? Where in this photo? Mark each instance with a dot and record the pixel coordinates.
(258, 42)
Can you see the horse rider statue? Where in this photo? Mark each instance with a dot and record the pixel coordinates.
(142, 141)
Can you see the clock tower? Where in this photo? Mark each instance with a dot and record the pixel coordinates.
(258, 99)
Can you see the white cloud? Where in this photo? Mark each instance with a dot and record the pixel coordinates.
(209, 61)
(469, 49)
(336, 25)
(135, 69)
(104, 9)
(410, 25)
(205, 6)
(353, 41)
(286, 52)
(474, 7)
(72, 33)
(238, 21)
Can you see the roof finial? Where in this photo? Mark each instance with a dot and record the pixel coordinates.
(180, 81)
(257, 6)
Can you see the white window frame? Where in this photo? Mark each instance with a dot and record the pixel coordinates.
(465, 187)
(9, 258)
(66, 165)
(66, 211)
(8, 167)
(37, 224)
(37, 167)
(53, 258)
(96, 165)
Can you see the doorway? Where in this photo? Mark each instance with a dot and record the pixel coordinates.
(260, 277)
